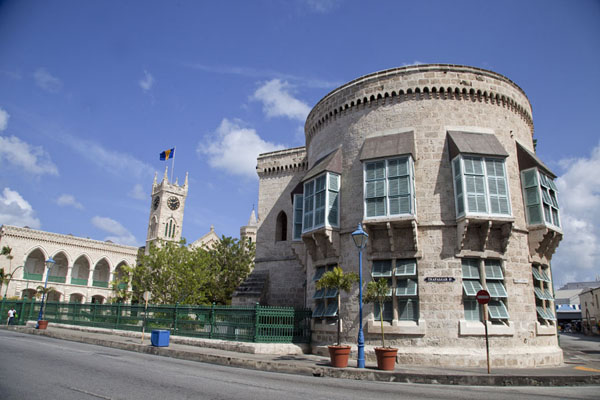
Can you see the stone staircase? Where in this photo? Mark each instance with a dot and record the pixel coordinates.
(253, 290)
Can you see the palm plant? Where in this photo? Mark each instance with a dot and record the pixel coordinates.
(337, 279)
(378, 291)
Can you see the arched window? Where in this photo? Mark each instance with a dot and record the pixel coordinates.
(281, 228)
(170, 229)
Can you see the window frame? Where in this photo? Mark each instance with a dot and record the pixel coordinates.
(330, 202)
(386, 179)
(494, 284)
(403, 281)
(546, 198)
(461, 197)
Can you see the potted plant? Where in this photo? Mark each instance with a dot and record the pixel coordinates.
(337, 279)
(378, 292)
(43, 292)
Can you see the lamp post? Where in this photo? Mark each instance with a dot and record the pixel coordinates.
(360, 238)
(49, 264)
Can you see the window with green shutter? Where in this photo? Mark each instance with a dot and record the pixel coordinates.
(542, 288)
(541, 198)
(320, 203)
(473, 272)
(389, 187)
(480, 186)
(403, 290)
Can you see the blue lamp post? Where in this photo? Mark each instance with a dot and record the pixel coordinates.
(49, 263)
(360, 238)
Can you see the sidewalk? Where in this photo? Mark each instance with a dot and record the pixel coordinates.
(312, 365)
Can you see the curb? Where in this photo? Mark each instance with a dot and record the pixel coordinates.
(327, 371)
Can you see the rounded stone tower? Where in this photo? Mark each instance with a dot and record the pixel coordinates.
(437, 163)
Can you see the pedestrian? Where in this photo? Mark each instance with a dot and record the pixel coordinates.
(11, 316)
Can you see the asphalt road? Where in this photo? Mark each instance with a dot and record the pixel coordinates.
(38, 367)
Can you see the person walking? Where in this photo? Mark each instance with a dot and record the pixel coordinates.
(11, 316)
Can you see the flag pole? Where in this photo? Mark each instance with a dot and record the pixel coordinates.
(173, 162)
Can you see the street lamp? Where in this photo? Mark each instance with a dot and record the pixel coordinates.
(49, 264)
(360, 238)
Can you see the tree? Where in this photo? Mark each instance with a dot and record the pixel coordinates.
(378, 291)
(339, 280)
(6, 277)
(231, 261)
(176, 273)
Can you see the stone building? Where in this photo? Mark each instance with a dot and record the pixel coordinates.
(590, 311)
(83, 269)
(438, 164)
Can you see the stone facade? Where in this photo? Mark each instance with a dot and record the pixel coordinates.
(166, 210)
(83, 271)
(427, 119)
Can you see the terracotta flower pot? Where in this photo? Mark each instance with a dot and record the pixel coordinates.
(42, 324)
(339, 356)
(386, 358)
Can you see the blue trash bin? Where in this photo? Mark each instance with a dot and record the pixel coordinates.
(160, 338)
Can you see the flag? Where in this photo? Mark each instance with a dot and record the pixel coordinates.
(165, 155)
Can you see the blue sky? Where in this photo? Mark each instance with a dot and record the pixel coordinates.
(91, 92)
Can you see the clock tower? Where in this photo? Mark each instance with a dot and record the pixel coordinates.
(166, 211)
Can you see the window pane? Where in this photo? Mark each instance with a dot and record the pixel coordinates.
(375, 207)
(388, 311)
(405, 268)
(398, 167)
(331, 294)
(472, 312)
(406, 287)
(496, 289)
(470, 268)
(408, 310)
(471, 287)
(375, 170)
(332, 216)
(530, 178)
(382, 268)
(334, 182)
(319, 294)
(319, 309)
(497, 310)
(398, 186)
(493, 269)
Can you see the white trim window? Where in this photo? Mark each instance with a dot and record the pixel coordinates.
(402, 280)
(297, 227)
(389, 187)
(321, 202)
(480, 186)
(486, 274)
(544, 300)
(540, 195)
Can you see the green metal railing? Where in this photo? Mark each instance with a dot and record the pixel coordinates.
(246, 324)
(57, 279)
(32, 277)
(78, 281)
(103, 284)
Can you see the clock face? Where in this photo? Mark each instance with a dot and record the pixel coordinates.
(156, 202)
(173, 203)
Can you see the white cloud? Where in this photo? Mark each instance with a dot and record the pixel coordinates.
(278, 102)
(47, 81)
(33, 159)
(322, 6)
(15, 210)
(147, 81)
(235, 148)
(4, 116)
(68, 200)
(111, 161)
(138, 192)
(578, 255)
(119, 234)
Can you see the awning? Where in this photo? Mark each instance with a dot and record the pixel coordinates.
(388, 145)
(484, 144)
(332, 162)
(528, 159)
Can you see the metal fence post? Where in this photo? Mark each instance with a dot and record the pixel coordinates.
(31, 308)
(212, 320)
(2, 308)
(20, 316)
(118, 316)
(175, 318)
(256, 317)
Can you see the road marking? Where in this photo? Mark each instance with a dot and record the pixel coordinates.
(89, 393)
(587, 369)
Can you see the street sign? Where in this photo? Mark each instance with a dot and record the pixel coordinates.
(440, 279)
(483, 297)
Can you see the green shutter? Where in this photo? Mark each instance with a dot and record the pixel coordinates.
(493, 270)
(388, 311)
(471, 287)
(472, 312)
(470, 268)
(406, 287)
(458, 187)
(382, 268)
(406, 267)
(531, 194)
(408, 310)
